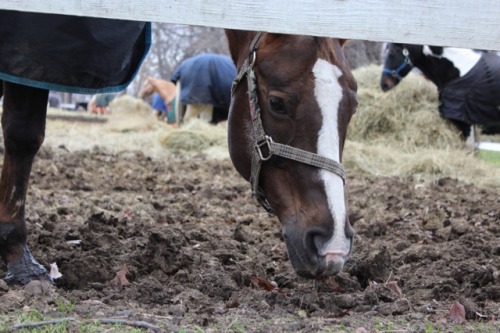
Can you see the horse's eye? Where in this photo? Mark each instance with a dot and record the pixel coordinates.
(277, 105)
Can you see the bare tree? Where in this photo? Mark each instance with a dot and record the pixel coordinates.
(172, 43)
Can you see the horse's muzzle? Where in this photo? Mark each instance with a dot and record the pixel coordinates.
(313, 255)
(387, 83)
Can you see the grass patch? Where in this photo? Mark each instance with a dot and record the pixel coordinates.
(490, 157)
(33, 321)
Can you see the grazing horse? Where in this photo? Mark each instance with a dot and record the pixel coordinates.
(292, 100)
(468, 81)
(166, 90)
(205, 86)
(291, 103)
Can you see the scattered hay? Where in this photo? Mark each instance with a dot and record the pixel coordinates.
(132, 125)
(424, 164)
(400, 133)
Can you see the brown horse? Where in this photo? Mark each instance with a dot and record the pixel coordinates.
(292, 101)
(166, 89)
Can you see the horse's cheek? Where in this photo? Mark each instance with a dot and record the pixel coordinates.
(239, 142)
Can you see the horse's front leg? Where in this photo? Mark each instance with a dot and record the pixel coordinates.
(23, 124)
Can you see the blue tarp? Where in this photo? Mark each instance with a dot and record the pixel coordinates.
(158, 103)
(71, 54)
(206, 79)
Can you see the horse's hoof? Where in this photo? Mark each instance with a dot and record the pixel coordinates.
(26, 269)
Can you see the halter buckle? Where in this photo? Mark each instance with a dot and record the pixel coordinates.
(253, 58)
(265, 142)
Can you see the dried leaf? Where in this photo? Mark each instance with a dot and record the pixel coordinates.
(394, 287)
(263, 284)
(233, 301)
(120, 279)
(457, 313)
(54, 271)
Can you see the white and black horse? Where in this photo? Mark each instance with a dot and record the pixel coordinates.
(468, 81)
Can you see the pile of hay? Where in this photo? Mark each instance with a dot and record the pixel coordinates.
(198, 136)
(400, 133)
(406, 116)
(132, 114)
(130, 106)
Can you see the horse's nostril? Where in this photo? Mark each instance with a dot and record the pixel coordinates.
(385, 86)
(309, 242)
(315, 239)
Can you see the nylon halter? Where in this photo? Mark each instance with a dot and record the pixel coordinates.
(396, 73)
(264, 147)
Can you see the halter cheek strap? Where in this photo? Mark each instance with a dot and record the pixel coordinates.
(396, 73)
(264, 146)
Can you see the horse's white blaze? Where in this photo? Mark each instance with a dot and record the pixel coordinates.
(328, 94)
(462, 59)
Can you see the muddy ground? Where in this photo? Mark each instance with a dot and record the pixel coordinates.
(201, 254)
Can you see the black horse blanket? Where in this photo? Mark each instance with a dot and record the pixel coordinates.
(475, 97)
(69, 53)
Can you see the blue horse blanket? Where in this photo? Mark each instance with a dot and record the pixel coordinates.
(206, 79)
(475, 97)
(69, 53)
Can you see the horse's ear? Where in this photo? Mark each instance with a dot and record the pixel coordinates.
(343, 42)
(437, 50)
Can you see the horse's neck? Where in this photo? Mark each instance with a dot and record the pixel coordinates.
(448, 66)
(165, 89)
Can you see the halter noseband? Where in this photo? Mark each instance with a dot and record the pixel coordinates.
(264, 146)
(396, 73)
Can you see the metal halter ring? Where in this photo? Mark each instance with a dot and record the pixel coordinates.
(266, 141)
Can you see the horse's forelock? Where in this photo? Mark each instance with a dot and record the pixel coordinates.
(330, 49)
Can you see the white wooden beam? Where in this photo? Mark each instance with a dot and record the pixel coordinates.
(465, 23)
